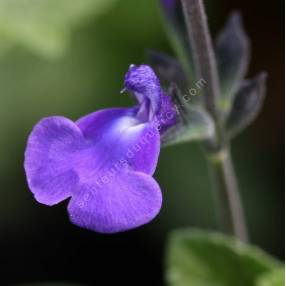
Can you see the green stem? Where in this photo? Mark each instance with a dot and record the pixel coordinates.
(202, 50)
(224, 180)
(229, 208)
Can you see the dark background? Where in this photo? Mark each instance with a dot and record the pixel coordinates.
(38, 243)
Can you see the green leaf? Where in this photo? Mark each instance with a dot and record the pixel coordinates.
(273, 278)
(247, 104)
(199, 258)
(192, 122)
(199, 126)
(44, 26)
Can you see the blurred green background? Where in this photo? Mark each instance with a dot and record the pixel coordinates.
(69, 58)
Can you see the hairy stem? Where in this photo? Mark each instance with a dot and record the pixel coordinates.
(202, 49)
(228, 203)
(229, 208)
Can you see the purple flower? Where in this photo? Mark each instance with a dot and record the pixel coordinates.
(103, 162)
(168, 4)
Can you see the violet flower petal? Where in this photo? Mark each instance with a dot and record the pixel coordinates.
(49, 148)
(167, 115)
(119, 137)
(129, 200)
(143, 82)
(168, 4)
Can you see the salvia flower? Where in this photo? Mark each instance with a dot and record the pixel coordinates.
(104, 161)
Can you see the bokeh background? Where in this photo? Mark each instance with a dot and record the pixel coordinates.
(70, 59)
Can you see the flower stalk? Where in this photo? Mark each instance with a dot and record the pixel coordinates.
(202, 50)
(229, 208)
(226, 192)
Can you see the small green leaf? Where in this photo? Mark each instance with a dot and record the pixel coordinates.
(192, 121)
(199, 126)
(247, 104)
(44, 26)
(199, 258)
(273, 278)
